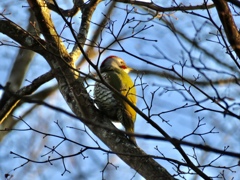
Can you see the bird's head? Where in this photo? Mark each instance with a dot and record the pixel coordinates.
(112, 62)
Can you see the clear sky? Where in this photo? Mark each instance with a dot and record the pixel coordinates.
(170, 96)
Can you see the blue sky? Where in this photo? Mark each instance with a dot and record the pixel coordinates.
(181, 122)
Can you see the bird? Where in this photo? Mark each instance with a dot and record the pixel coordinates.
(115, 71)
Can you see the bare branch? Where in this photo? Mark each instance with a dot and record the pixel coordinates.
(42, 14)
(87, 13)
(27, 90)
(229, 25)
(21, 36)
(153, 6)
(69, 12)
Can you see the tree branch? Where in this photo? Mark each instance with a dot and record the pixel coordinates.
(41, 11)
(203, 83)
(27, 90)
(153, 6)
(87, 12)
(69, 12)
(20, 66)
(229, 26)
(21, 36)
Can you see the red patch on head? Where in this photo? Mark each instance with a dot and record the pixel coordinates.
(104, 62)
(123, 67)
(112, 57)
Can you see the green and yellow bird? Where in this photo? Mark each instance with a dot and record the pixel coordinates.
(115, 72)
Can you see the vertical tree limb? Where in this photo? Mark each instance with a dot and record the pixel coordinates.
(229, 25)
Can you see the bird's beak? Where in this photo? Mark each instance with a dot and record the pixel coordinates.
(128, 69)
